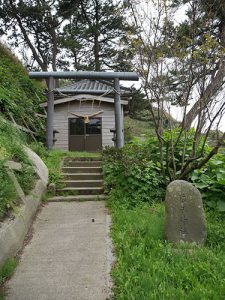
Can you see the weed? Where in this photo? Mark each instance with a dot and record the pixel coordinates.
(148, 267)
(7, 270)
(11, 148)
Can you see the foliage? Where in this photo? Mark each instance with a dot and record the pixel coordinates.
(181, 63)
(210, 180)
(19, 96)
(131, 176)
(137, 104)
(135, 128)
(7, 270)
(39, 25)
(93, 34)
(98, 26)
(11, 148)
(148, 267)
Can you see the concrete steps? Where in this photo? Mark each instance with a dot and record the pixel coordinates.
(84, 159)
(77, 198)
(80, 190)
(82, 180)
(81, 169)
(82, 176)
(83, 163)
(82, 183)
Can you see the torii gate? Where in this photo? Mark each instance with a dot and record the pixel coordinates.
(116, 76)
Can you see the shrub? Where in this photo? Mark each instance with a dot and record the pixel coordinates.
(131, 176)
(210, 180)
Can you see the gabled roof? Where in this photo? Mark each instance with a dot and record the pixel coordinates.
(83, 97)
(94, 87)
(89, 90)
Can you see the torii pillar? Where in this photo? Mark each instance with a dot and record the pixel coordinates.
(50, 113)
(118, 115)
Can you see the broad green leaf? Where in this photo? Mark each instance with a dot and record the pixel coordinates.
(221, 205)
(201, 185)
(211, 203)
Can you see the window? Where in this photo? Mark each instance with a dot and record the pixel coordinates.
(94, 126)
(76, 126)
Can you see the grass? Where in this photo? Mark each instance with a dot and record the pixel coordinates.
(150, 268)
(11, 148)
(6, 272)
(135, 128)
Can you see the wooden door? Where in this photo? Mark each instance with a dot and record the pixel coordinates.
(85, 137)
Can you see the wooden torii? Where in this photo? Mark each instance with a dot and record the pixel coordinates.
(116, 76)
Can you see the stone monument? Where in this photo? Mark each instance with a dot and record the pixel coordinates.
(184, 215)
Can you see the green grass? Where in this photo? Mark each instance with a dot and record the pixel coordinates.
(6, 272)
(20, 96)
(11, 148)
(135, 128)
(150, 268)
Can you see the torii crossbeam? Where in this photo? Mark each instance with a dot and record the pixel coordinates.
(116, 76)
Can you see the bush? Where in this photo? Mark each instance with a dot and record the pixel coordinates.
(210, 180)
(133, 173)
(131, 176)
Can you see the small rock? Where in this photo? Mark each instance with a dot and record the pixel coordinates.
(52, 188)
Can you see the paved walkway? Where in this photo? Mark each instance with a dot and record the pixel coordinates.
(68, 257)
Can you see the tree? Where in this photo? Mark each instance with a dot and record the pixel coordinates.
(96, 36)
(36, 24)
(183, 65)
(208, 30)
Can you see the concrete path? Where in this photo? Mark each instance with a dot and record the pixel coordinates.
(69, 256)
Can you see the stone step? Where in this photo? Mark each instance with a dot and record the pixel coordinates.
(70, 191)
(72, 159)
(96, 163)
(82, 176)
(81, 183)
(81, 169)
(77, 198)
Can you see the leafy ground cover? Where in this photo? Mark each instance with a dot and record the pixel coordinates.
(11, 148)
(20, 96)
(150, 268)
(135, 171)
(147, 266)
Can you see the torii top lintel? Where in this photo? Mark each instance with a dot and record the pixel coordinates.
(86, 75)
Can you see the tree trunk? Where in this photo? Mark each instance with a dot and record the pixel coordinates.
(96, 38)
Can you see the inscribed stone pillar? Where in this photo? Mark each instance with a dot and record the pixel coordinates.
(184, 218)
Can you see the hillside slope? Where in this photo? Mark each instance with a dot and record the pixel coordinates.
(19, 95)
(19, 102)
